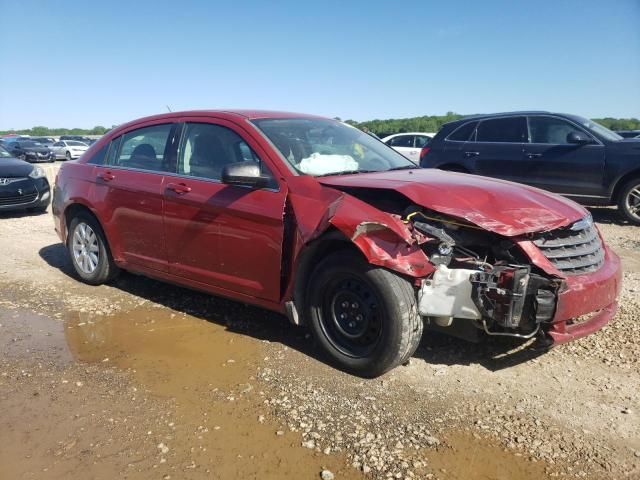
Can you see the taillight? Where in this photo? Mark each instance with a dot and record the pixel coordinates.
(423, 153)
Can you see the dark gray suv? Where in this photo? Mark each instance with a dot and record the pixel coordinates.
(562, 153)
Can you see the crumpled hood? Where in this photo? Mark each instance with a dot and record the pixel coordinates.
(502, 207)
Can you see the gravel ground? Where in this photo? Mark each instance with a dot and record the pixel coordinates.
(496, 410)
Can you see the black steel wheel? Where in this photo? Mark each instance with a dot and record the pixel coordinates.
(364, 317)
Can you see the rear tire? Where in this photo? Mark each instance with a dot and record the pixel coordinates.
(89, 251)
(629, 201)
(365, 318)
(68, 155)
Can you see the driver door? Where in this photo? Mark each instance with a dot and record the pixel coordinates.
(224, 236)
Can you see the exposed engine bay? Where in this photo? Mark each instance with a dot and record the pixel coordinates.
(481, 277)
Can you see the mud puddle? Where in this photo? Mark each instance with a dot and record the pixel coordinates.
(215, 425)
(465, 457)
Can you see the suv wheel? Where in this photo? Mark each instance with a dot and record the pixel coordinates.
(88, 250)
(365, 318)
(629, 202)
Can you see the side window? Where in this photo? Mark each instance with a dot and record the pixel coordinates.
(114, 146)
(99, 157)
(402, 141)
(207, 148)
(550, 130)
(58, 144)
(144, 148)
(463, 133)
(422, 141)
(503, 130)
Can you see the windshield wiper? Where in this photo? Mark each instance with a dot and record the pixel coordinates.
(404, 167)
(347, 172)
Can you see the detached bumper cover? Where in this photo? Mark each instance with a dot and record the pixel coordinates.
(593, 294)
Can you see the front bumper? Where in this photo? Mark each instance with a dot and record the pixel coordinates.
(29, 193)
(594, 295)
(33, 158)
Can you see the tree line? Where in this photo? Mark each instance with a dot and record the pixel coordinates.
(56, 132)
(427, 123)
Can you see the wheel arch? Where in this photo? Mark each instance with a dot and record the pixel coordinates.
(73, 210)
(621, 182)
(331, 241)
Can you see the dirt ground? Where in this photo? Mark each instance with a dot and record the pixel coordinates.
(141, 379)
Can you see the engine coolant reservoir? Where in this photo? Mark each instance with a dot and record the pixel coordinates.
(447, 295)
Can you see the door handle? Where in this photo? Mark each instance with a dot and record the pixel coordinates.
(179, 188)
(534, 155)
(106, 176)
(471, 154)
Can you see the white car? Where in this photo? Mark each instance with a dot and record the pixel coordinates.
(68, 149)
(409, 144)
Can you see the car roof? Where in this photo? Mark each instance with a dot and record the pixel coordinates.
(483, 116)
(229, 114)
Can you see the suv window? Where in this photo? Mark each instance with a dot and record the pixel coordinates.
(144, 148)
(402, 141)
(463, 133)
(207, 148)
(503, 130)
(550, 130)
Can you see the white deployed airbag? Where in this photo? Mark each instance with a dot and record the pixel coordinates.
(320, 164)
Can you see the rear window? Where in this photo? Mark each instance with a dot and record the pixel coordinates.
(144, 148)
(463, 133)
(503, 130)
(99, 157)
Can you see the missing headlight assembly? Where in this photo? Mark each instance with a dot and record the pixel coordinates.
(481, 277)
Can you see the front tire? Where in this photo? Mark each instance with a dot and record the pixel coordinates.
(89, 252)
(629, 201)
(365, 318)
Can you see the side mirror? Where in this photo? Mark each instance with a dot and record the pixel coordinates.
(578, 138)
(244, 174)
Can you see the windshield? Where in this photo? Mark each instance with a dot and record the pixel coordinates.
(598, 129)
(327, 147)
(4, 153)
(29, 144)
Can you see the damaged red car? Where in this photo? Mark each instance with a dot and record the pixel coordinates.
(318, 220)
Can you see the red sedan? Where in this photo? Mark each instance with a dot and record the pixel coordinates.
(318, 220)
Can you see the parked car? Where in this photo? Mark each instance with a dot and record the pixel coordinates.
(565, 154)
(313, 218)
(68, 149)
(408, 144)
(46, 141)
(22, 185)
(77, 138)
(29, 151)
(628, 133)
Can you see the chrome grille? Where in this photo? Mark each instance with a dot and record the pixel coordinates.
(573, 252)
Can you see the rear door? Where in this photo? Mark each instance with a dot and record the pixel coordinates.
(228, 237)
(559, 166)
(130, 194)
(498, 148)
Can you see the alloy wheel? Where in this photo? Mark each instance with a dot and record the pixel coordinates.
(86, 251)
(633, 201)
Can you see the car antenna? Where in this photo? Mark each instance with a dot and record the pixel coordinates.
(168, 108)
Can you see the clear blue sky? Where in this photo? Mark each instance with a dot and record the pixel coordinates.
(81, 64)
